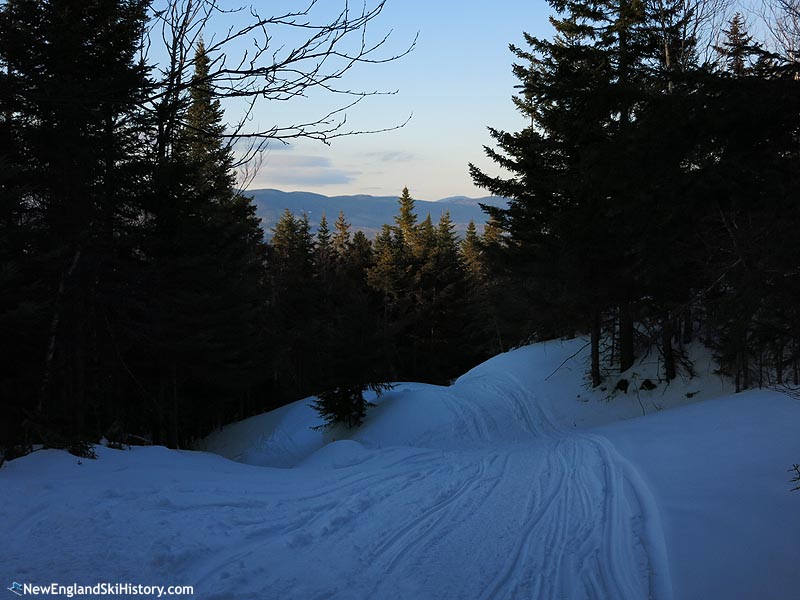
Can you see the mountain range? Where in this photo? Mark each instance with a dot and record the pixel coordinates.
(365, 213)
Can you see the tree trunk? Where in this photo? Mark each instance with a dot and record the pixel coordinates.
(53, 336)
(626, 356)
(738, 378)
(175, 429)
(688, 326)
(666, 348)
(595, 342)
(746, 383)
(499, 337)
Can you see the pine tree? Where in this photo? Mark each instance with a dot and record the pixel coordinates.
(204, 131)
(450, 305)
(346, 404)
(406, 219)
(293, 307)
(209, 281)
(78, 158)
(471, 254)
(586, 170)
(572, 96)
(324, 252)
(482, 329)
(422, 245)
(361, 255)
(737, 48)
(387, 274)
(349, 335)
(341, 238)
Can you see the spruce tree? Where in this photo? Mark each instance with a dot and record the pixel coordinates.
(324, 253)
(470, 252)
(450, 306)
(204, 131)
(361, 255)
(737, 48)
(586, 170)
(569, 87)
(341, 239)
(292, 307)
(406, 219)
(209, 281)
(78, 157)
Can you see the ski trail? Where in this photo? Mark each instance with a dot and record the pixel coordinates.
(426, 524)
(512, 507)
(539, 506)
(592, 527)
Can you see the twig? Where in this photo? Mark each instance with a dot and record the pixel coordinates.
(568, 359)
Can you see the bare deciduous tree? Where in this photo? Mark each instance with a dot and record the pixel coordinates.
(782, 19)
(252, 62)
(689, 29)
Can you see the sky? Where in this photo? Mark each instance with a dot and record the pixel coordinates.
(455, 83)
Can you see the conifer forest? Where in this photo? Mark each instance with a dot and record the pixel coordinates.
(653, 200)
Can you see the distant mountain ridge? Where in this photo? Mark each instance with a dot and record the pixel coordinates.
(365, 213)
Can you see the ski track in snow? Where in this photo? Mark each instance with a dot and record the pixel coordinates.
(558, 515)
(587, 510)
(499, 503)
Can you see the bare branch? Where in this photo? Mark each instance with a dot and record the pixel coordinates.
(246, 63)
(782, 20)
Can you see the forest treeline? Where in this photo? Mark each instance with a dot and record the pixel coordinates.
(655, 195)
(139, 299)
(653, 199)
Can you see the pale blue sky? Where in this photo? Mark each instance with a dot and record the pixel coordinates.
(456, 82)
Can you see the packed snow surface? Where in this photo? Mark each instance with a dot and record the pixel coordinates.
(514, 482)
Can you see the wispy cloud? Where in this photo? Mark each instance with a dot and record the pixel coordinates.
(327, 177)
(392, 156)
(302, 171)
(297, 161)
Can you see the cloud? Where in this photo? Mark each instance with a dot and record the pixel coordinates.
(302, 171)
(298, 161)
(300, 178)
(242, 146)
(393, 156)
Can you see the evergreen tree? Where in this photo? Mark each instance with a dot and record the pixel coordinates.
(386, 275)
(346, 404)
(737, 48)
(421, 263)
(77, 159)
(324, 253)
(471, 254)
(450, 306)
(294, 293)
(360, 255)
(209, 281)
(204, 130)
(406, 219)
(341, 239)
(586, 170)
(569, 91)
(349, 337)
(640, 184)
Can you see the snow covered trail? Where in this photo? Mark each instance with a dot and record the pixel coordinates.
(501, 504)
(515, 482)
(589, 527)
(472, 491)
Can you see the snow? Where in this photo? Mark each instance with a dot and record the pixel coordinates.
(719, 472)
(516, 481)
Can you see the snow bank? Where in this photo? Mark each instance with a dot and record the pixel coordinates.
(279, 438)
(517, 481)
(718, 470)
